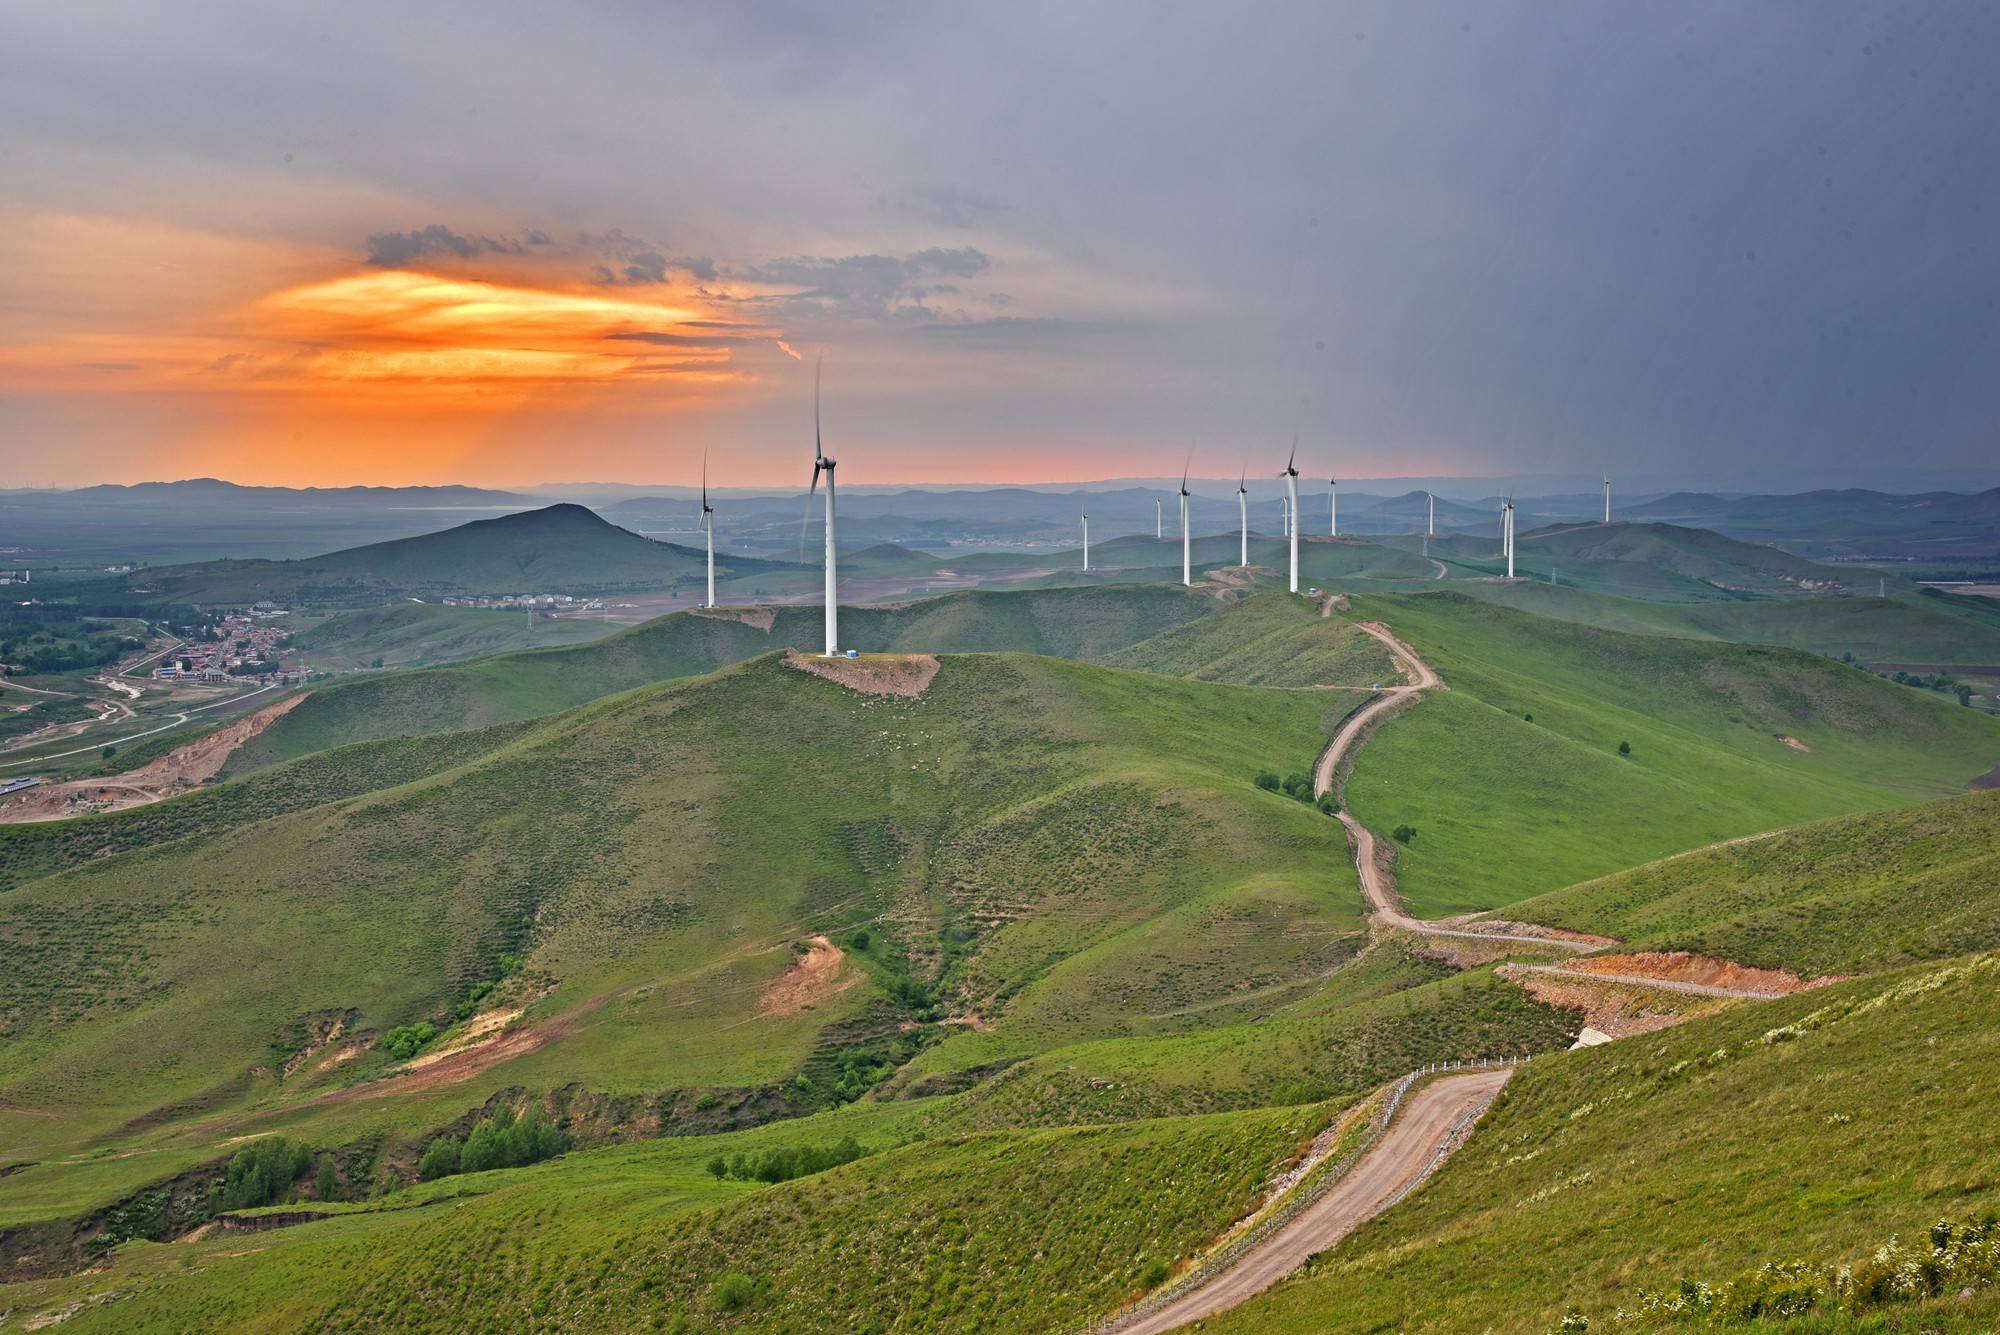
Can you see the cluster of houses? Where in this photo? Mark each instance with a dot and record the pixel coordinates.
(246, 650)
(562, 600)
(15, 576)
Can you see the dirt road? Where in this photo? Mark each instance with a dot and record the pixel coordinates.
(1642, 980)
(1429, 1127)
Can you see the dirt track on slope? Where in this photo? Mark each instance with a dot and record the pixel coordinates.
(180, 769)
(1432, 1125)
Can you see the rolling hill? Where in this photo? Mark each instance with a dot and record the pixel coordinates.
(1515, 785)
(559, 549)
(657, 863)
(1858, 893)
(418, 634)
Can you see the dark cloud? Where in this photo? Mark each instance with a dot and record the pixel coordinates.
(393, 250)
(662, 339)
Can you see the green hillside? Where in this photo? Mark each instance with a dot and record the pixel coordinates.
(416, 634)
(655, 861)
(1270, 639)
(1513, 777)
(560, 549)
(1811, 1129)
(1065, 623)
(1901, 630)
(1841, 896)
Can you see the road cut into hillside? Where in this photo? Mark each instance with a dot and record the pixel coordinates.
(1433, 1122)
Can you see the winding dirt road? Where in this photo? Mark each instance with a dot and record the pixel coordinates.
(1430, 1125)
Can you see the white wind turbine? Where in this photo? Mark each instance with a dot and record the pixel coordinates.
(1333, 507)
(1291, 476)
(1243, 514)
(1507, 533)
(822, 464)
(708, 526)
(1086, 540)
(1187, 553)
(1159, 520)
(1607, 498)
(1431, 508)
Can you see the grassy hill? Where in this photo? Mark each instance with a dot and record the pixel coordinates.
(1270, 639)
(1515, 784)
(560, 549)
(1902, 630)
(656, 861)
(1812, 1129)
(1066, 623)
(416, 634)
(1841, 896)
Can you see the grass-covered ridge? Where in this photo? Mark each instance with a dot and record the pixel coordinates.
(656, 861)
(1855, 894)
(1810, 1127)
(1516, 785)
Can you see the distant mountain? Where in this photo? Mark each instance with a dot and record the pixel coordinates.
(214, 491)
(1646, 560)
(560, 549)
(1931, 526)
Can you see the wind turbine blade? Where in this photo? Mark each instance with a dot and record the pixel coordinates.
(704, 481)
(1294, 456)
(818, 453)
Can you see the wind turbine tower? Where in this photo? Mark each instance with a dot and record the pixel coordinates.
(1243, 515)
(1607, 498)
(1333, 507)
(708, 526)
(1086, 540)
(822, 464)
(1291, 476)
(1431, 509)
(1187, 550)
(1159, 520)
(1507, 523)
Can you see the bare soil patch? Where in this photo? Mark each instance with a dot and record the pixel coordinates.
(877, 674)
(813, 977)
(763, 618)
(180, 769)
(1611, 1008)
(1680, 966)
(1794, 743)
(1990, 779)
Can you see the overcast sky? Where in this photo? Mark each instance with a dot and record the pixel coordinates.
(510, 243)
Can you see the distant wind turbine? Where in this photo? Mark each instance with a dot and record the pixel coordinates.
(822, 464)
(1333, 507)
(1159, 520)
(1507, 533)
(1086, 540)
(708, 525)
(1291, 476)
(1431, 507)
(1607, 498)
(1243, 514)
(1187, 551)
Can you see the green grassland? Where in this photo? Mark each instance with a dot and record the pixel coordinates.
(652, 856)
(921, 1235)
(1505, 807)
(1907, 630)
(1811, 1128)
(416, 634)
(1856, 894)
(1067, 623)
(1270, 639)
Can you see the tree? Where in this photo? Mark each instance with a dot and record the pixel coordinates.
(1402, 834)
(1328, 806)
(262, 1172)
(1299, 787)
(1624, 748)
(109, 752)
(1964, 694)
(1267, 781)
(441, 1158)
(328, 1182)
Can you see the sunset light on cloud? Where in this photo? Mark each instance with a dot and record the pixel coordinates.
(531, 249)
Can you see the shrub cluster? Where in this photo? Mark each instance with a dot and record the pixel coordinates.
(404, 1040)
(261, 1173)
(1299, 788)
(785, 1162)
(499, 1141)
(1959, 1257)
